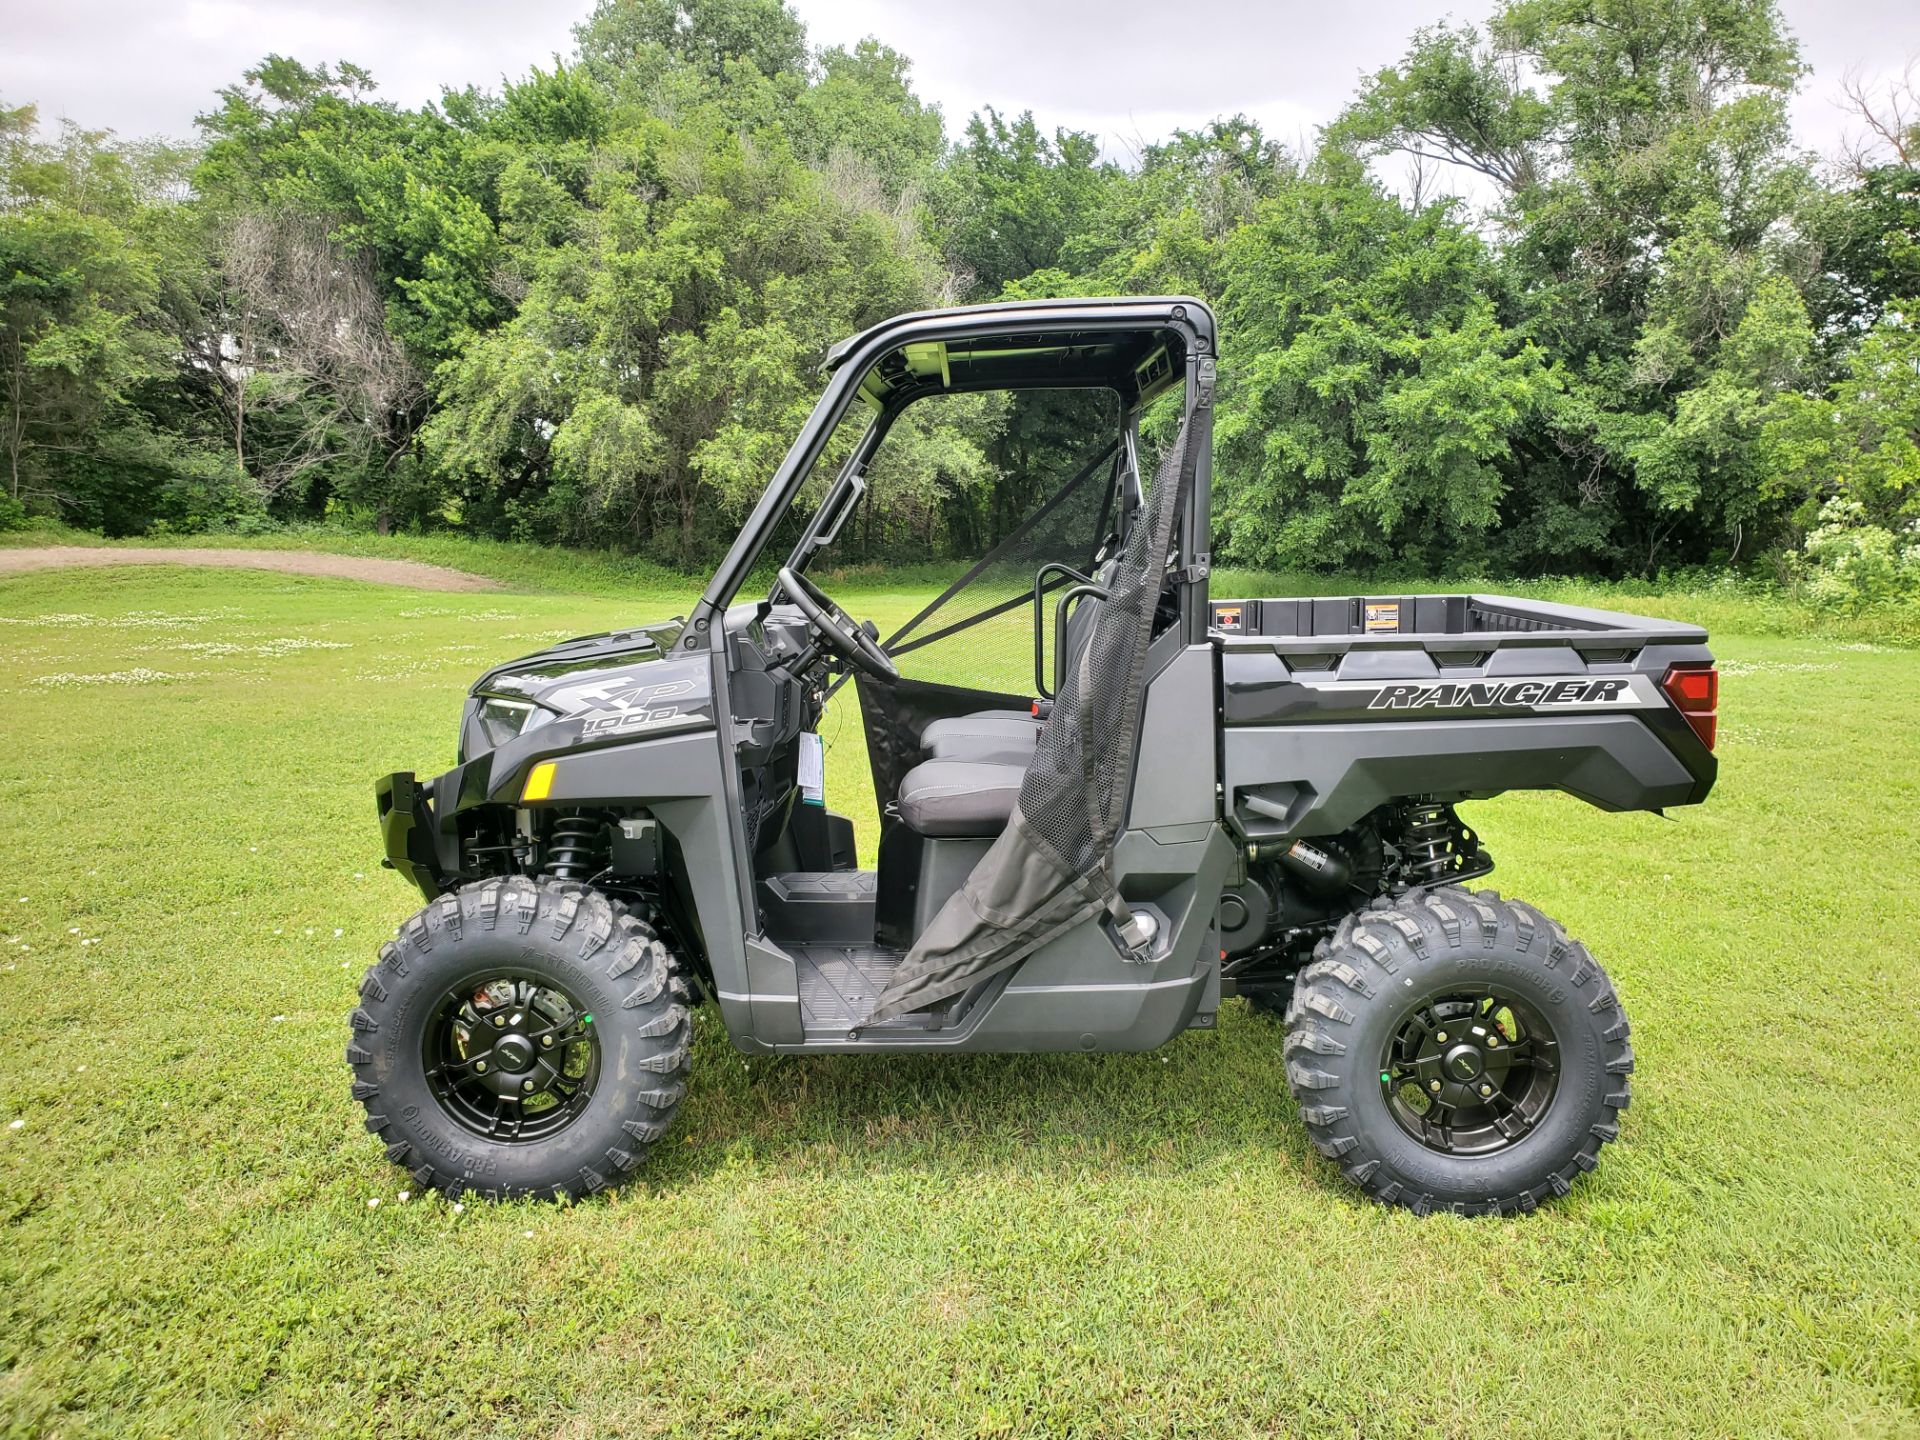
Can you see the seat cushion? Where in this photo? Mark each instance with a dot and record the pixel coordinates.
(1001, 736)
(944, 798)
(989, 749)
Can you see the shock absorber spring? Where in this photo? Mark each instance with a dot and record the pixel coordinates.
(574, 851)
(1429, 839)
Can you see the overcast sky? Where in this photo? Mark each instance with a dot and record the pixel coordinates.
(1125, 69)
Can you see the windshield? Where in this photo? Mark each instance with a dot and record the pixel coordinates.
(969, 496)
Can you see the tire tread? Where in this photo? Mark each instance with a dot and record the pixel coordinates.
(639, 959)
(1373, 948)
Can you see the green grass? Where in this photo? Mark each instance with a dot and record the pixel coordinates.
(526, 567)
(1102, 1246)
(1720, 602)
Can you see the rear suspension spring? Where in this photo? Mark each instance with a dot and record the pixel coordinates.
(1429, 838)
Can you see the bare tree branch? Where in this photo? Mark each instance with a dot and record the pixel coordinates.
(1889, 117)
(308, 342)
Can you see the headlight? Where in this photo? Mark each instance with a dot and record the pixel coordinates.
(503, 720)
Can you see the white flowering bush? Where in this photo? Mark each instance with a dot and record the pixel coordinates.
(1851, 565)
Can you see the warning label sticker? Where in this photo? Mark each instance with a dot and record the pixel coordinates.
(1383, 616)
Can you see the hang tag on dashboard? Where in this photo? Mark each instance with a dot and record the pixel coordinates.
(813, 769)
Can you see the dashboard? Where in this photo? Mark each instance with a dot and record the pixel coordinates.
(777, 689)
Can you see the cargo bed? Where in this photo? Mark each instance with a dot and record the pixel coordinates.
(1331, 706)
(1440, 622)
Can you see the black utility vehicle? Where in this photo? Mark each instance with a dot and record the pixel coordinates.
(1108, 802)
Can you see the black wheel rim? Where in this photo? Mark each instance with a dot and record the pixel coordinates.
(511, 1058)
(1470, 1070)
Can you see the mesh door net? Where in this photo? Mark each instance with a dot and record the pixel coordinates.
(1051, 868)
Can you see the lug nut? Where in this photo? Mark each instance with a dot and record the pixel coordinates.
(546, 1042)
(1441, 1037)
(527, 1085)
(1493, 1041)
(1486, 1089)
(1434, 1085)
(479, 1067)
(499, 1022)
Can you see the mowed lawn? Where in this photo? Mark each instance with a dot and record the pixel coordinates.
(1097, 1246)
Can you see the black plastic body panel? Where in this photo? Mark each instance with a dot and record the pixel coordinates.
(819, 907)
(1326, 777)
(407, 832)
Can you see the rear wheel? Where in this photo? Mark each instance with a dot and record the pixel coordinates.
(1457, 1051)
(521, 1038)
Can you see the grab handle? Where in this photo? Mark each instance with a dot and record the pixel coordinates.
(1039, 632)
(1088, 591)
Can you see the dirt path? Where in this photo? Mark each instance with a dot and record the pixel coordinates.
(288, 562)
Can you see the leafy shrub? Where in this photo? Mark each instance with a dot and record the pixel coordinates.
(1850, 565)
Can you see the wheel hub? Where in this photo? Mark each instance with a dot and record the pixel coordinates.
(1469, 1070)
(511, 1058)
(514, 1053)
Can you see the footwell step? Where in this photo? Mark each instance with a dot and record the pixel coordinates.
(839, 985)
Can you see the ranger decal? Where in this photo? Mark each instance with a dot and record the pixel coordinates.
(1504, 694)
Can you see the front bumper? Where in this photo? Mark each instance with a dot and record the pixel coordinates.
(408, 831)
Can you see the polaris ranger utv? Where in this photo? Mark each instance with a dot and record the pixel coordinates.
(1108, 802)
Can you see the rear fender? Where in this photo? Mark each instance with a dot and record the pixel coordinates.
(1319, 779)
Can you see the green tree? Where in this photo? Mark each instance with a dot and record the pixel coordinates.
(1371, 397)
(1162, 230)
(1860, 443)
(85, 353)
(588, 306)
(627, 41)
(662, 352)
(862, 108)
(1648, 196)
(1868, 225)
(357, 252)
(389, 182)
(1013, 200)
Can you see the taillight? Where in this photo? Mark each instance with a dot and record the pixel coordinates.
(1695, 693)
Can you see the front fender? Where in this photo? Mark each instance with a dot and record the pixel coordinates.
(679, 779)
(407, 832)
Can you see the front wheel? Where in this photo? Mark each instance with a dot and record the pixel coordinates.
(1453, 1050)
(521, 1037)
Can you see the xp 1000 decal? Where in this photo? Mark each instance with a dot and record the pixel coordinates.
(632, 707)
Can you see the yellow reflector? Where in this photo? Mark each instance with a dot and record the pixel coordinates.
(539, 782)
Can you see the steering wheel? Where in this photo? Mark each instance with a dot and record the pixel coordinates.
(839, 631)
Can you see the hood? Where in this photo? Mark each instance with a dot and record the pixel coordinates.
(593, 690)
(530, 675)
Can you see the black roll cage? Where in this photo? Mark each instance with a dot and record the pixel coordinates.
(848, 366)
